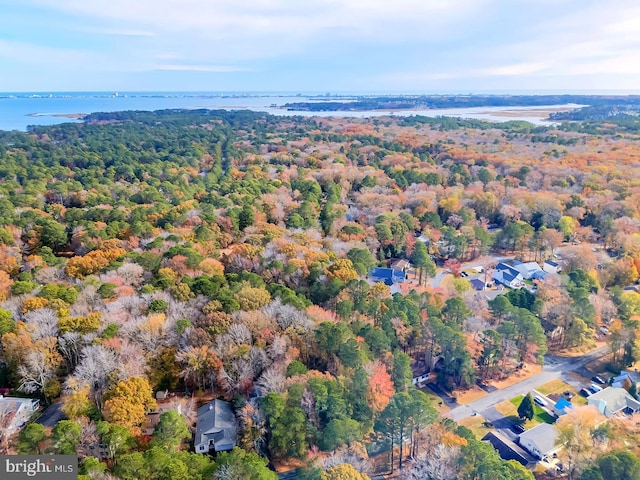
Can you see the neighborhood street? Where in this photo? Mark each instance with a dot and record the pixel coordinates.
(554, 368)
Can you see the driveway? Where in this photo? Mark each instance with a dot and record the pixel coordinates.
(554, 368)
(52, 415)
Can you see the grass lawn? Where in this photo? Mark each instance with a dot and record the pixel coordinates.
(436, 401)
(467, 396)
(475, 424)
(510, 410)
(555, 386)
(558, 387)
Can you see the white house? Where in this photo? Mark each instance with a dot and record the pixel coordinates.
(612, 400)
(16, 412)
(508, 276)
(550, 266)
(529, 270)
(216, 427)
(540, 441)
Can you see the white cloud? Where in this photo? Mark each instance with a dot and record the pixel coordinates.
(420, 42)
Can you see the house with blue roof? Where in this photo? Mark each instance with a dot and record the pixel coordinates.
(562, 406)
(477, 284)
(388, 276)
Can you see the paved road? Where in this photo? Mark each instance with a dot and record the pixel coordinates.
(553, 368)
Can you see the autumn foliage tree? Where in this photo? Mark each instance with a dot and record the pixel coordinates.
(380, 389)
(128, 402)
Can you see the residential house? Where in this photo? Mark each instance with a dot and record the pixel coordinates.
(613, 400)
(216, 427)
(477, 284)
(152, 418)
(508, 450)
(15, 412)
(424, 239)
(626, 377)
(540, 441)
(400, 264)
(508, 276)
(562, 406)
(529, 270)
(551, 267)
(388, 276)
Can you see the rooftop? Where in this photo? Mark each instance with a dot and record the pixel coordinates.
(612, 400)
(216, 422)
(543, 436)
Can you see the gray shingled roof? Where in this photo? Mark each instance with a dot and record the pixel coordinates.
(216, 422)
(543, 436)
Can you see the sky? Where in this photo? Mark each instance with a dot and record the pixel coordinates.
(337, 46)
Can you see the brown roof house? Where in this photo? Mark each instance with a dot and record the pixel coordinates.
(216, 428)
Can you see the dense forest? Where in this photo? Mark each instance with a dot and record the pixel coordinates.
(227, 255)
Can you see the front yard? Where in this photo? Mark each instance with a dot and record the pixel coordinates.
(477, 425)
(558, 387)
(509, 409)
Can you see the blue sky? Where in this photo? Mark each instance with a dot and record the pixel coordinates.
(320, 45)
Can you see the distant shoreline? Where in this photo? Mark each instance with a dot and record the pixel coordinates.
(75, 116)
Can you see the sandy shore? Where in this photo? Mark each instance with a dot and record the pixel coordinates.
(74, 116)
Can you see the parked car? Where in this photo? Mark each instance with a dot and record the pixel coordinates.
(594, 388)
(518, 428)
(584, 392)
(598, 379)
(540, 401)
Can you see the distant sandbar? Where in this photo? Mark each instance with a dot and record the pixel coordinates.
(75, 116)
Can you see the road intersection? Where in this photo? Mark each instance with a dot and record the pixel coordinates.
(554, 368)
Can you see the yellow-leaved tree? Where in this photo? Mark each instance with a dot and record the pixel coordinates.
(344, 472)
(128, 402)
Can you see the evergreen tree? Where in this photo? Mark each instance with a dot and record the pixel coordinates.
(525, 409)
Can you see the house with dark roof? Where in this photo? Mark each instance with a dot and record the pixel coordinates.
(509, 450)
(508, 276)
(612, 401)
(388, 276)
(477, 284)
(550, 266)
(540, 441)
(216, 428)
